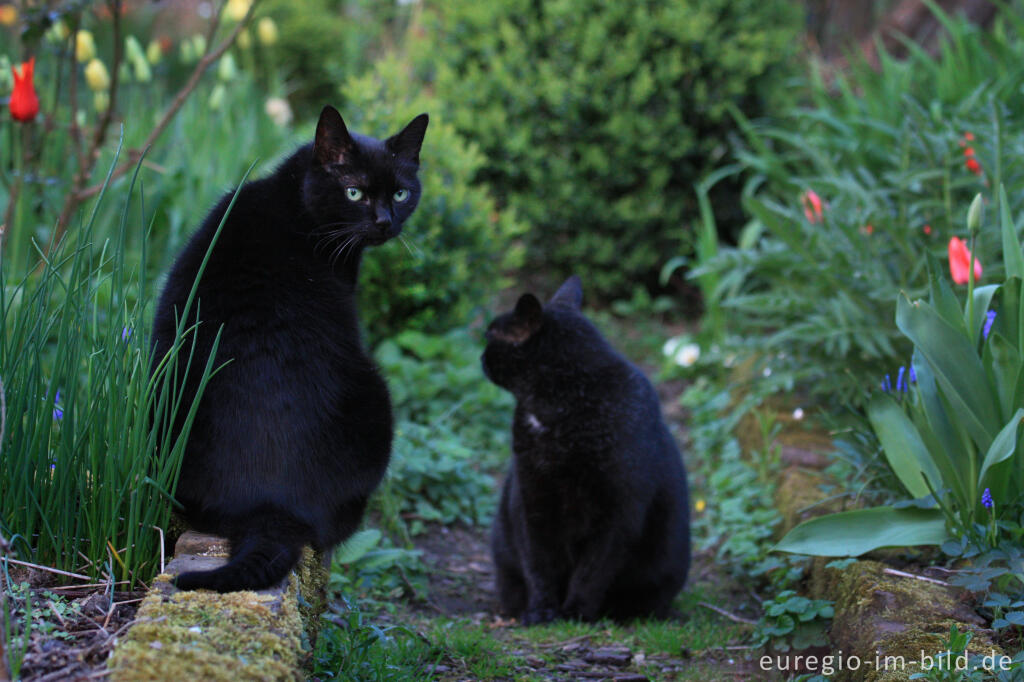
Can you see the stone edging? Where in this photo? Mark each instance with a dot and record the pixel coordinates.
(202, 635)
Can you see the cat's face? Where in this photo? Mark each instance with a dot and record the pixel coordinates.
(522, 342)
(360, 190)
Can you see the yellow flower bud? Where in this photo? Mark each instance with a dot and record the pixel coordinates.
(97, 76)
(244, 39)
(143, 73)
(700, 505)
(8, 15)
(133, 48)
(100, 101)
(266, 30)
(58, 32)
(154, 53)
(227, 71)
(237, 9)
(199, 44)
(85, 46)
(216, 100)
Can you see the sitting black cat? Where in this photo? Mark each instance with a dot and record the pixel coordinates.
(594, 515)
(294, 432)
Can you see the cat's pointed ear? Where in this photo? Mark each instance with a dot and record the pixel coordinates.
(408, 142)
(530, 313)
(570, 293)
(332, 142)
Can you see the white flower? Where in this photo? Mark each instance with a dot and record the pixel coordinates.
(798, 413)
(767, 372)
(279, 110)
(687, 355)
(671, 346)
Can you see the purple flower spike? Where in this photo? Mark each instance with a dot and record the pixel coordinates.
(990, 317)
(901, 385)
(58, 411)
(913, 375)
(886, 384)
(986, 499)
(125, 333)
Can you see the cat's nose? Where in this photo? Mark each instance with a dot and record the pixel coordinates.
(382, 218)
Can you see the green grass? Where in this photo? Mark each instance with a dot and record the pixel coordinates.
(86, 471)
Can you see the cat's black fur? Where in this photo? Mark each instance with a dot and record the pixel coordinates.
(293, 434)
(594, 515)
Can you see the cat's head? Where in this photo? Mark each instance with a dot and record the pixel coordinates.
(533, 338)
(360, 190)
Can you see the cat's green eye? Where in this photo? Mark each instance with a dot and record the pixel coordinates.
(401, 195)
(353, 193)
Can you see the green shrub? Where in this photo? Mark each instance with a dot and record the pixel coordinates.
(889, 158)
(596, 118)
(452, 429)
(456, 245)
(323, 42)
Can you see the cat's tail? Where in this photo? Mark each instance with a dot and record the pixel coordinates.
(260, 559)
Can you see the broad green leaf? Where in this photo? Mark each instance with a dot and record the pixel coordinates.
(956, 365)
(982, 301)
(1007, 304)
(1012, 257)
(941, 296)
(1003, 446)
(943, 438)
(903, 447)
(1005, 368)
(357, 546)
(853, 533)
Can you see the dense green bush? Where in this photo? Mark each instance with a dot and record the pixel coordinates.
(457, 243)
(322, 42)
(893, 159)
(596, 118)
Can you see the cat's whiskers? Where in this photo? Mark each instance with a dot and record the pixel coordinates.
(418, 254)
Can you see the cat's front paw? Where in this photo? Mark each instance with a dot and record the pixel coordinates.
(539, 615)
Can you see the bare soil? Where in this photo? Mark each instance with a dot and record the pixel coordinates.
(73, 628)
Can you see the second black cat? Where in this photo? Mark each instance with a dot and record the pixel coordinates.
(294, 430)
(594, 514)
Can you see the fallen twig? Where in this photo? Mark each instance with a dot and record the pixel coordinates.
(49, 569)
(730, 616)
(903, 574)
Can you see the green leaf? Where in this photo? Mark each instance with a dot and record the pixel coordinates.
(853, 533)
(982, 301)
(1006, 365)
(942, 297)
(943, 439)
(357, 546)
(903, 447)
(1003, 446)
(1012, 257)
(956, 365)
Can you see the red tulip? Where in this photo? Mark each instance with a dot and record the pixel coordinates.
(812, 206)
(24, 103)
(960, 262)
(973, 166)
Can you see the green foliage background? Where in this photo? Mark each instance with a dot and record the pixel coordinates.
(596, 118)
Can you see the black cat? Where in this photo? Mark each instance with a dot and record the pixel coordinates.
(594, 516)
(293, 433)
